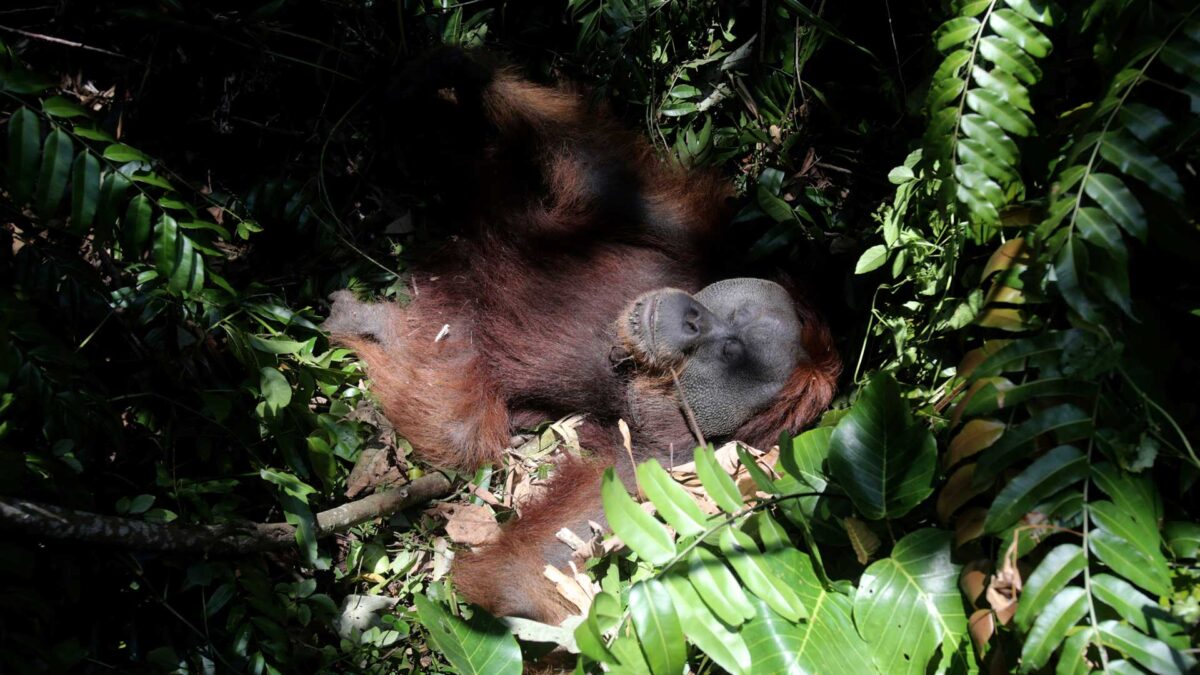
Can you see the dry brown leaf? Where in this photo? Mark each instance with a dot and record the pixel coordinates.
(975, 436)
(443, 557)
(982, 626)
(969, 525)
(1010, 253)
(862, 538)
(973, 580)
(957, 491)
(973, 358)
(1005, 589)
(1000, 383)
(470, 524)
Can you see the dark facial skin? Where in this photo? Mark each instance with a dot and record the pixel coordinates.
(734, 344)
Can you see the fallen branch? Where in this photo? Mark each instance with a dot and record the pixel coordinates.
(56, 522)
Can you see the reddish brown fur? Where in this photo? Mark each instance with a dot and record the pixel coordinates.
(531, 293)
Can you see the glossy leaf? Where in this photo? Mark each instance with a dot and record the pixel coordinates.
(719, 486)
(1059, 468)
(1153, 654)
(85, 191)
(908, 605)
(1062, 564)
(871, 259)
(670, 499)
(57, 153)
(726, 647)
(24, 153)
(1183, 539)
(955, 32)
(1127, 560)
(657, 626)
(718, 587)
(176, 257)
(638, 529)
(1118, 202)
(119, 152)
(1133, 605)
(112, 196)
(1020, 31)
(1034, 10)
(992, 106)
(135, 230)
(1134, 159)
(1051, 625)
(1009, 57)
(482, 645)
(745, 557)
(879, 455)
(59, 106)
(275, 389)
(1065, 423)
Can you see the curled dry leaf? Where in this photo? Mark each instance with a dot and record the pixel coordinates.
(469, 524)
(975, 436)
(982, 626)
(973, 580)
(862, 538)
(443, 557)
(1005, 589)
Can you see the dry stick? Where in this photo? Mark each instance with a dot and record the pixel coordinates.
(687, 410)
(68, 43)
(57, 522)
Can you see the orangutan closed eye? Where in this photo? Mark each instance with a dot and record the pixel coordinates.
(580, 282)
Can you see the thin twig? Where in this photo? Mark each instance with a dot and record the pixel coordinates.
(687, 410)
(68, 43)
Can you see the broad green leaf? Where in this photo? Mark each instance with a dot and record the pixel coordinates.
(830, 643)
(1140, 532)
(657, 626)
(58, 106)
(275, 389)
(1145, 123)
(1153, 654)
(1072, 658)
(119, 152)
(1134, 495)
(754, 571)
(775, 643)
(1118, 202)
(908, 605)
(604, 613)
(1059, 468)
(955, 32)
(176, 258)
(726, 647)
(1183, 538)
(638, 529)
(112, 195)
(992, 137)
(719, 486)
(24, 151)
(1069, 269)
(1009, 57)
(1034, 10)
(871, 259)
(1097, 228)
(992, 106)
(1050, 627)
(975, 153)
(1066, 423)
(1062, 564)
(83, 130)
(991, 398)
(1005, 86)
(718, 587)
(773, 206)
(760, 477)
(1016, 28)
(1133, 159)
(85, 191)
(135, 231)
(482, 645)
(944, 92)
(672, 501)
(1133, 606)
(879, 455)
(57, 153)
(1127, 560)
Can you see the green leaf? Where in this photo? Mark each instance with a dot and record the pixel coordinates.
(58, 106)
(1155, 655)
(1069, 269)
(119, 152)
(879, 455)
(908, 605)
(871, 259)
(176, 257)
(719, 486)
(726, 647)
(775, 643)
(112, 195)
(1059, 468)
(275, 389)
(745, 557)
(1141, 532)
(718, 587)
(136, 229)
(1126, 559)
(83, 130)
(1018, 29)
(657, 627)
(955, 32)
(1050, 627)
(989, 398)
(1118, 202)
(1034, 10)
(992, 137)
(1145, 123)
(589, 635)
(481, 645)
(57, 153)
(773, 206)
(673, 503)
(1133, 606)
(1133, 159)
(1005, 86)
(24, 151)
(1182, 538)
(1066, 423)
(85, 191)
(638, 529)
(1062, 564)
(1009, 57)
(1135, 496)
(992, 106)
(1072, 659)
